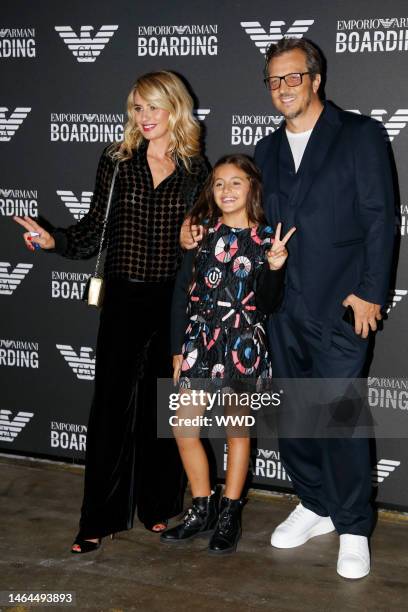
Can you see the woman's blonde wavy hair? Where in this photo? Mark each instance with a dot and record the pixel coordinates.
(165, 90)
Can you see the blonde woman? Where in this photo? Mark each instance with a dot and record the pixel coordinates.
(161, 173)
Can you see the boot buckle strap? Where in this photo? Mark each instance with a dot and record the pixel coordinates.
(193, 514)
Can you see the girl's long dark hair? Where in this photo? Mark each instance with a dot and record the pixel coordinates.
(205, 212)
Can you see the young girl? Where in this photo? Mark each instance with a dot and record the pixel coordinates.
(218, 331)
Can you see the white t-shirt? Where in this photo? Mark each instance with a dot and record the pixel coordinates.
(298, 142)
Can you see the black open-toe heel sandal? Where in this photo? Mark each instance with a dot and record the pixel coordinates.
(85, 546)
(150, 526)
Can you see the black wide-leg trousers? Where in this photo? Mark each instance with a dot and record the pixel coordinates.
(126, 466)
(331, 476)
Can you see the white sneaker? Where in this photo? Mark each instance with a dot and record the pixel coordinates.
(301, 525)
(354, 556)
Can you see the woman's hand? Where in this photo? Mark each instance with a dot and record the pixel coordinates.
(44, 238)
(190, 235)
(278, 253)
(177, 361)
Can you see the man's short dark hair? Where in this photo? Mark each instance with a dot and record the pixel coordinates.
(314, 59)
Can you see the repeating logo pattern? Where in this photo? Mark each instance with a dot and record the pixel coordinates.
(266, 464)
(201, 113)
(393, 125)
(383, 469)
(68, 285)
(247, 130)
(68, 436)
(83, 365)
(18, 202)
(17, 42)
(84, 47)
(10, 429)
(8, 127)
(262, 39)
(86, 127)
(86, 44)
(19, 353)
(372, 35)
(394, 298)
(179, 40)
(10, 281)
(388, 393)
(402, 220)
(78, 208)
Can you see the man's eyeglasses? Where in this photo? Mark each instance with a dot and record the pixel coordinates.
(292, 80)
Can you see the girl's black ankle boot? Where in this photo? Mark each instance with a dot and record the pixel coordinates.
(228, 531)
(200, 519)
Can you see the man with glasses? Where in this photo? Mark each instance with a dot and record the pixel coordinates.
(327, 172)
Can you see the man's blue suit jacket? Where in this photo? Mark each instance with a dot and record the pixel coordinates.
(345, 211)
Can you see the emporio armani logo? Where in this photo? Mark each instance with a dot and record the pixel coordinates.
(247, 130)
(8, 127)
(262, 39)
(267, 454)
(393, 125)
(10, 429)
(18, 202)
(17, 32)
(17, 42)
(201, 113)
(373, 380)
(266, 464)
(372, 35)
(178, 40)
(10, 281)
(86, 127)
(383, 469)
(78, 208)
(84, 47)
(394, 297)
(82, 365)
(387, 23)
(91, 118)
(402, 220)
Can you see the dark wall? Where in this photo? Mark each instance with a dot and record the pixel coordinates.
(60, 106)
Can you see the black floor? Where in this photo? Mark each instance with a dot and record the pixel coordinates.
(39, 512)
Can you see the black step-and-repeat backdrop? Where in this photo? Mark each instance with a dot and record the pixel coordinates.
(66, 71)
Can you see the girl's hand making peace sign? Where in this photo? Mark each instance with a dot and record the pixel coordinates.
(278, 253)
